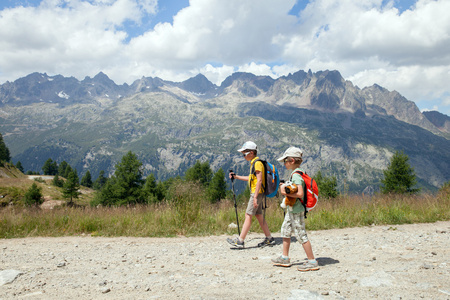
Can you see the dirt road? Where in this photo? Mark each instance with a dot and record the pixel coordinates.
(385, 262)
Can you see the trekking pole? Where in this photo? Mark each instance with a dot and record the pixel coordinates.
(235, 203)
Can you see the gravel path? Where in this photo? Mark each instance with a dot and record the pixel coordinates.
(385, 262)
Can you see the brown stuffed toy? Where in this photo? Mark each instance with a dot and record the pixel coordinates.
(290, 188)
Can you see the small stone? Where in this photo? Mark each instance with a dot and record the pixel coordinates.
(434, 253)
(61, 264)
(232, 226)
(102, 283)
(106, 290)
(325, 293)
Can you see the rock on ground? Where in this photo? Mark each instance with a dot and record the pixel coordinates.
(8, 276)
(385, 262)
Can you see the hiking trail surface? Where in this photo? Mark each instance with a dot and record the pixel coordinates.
(385, 262)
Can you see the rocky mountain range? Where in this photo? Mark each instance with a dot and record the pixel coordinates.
(345, 131)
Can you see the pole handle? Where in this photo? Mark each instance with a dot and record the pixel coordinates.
(232, 174)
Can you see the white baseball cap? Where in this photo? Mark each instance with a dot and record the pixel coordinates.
(291, 152)
(249, 145)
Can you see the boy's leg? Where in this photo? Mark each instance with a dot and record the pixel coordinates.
(302, 237)
(311, 264)
(269, 240)
(239, 241)
(246, 226)
(263, 224)
(286, 230)
(286, 246)
(308, 250)
(249, 213)
(258, 212)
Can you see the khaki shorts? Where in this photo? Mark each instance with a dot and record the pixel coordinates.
(251, 210)
(294, 224)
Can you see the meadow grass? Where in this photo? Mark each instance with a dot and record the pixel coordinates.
(189, 214)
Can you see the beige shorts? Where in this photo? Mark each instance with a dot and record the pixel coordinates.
(251, 210)
(294, 224)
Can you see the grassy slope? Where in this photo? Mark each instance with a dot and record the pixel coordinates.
(14, 184)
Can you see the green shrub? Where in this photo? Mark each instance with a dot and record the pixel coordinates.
(33, 196)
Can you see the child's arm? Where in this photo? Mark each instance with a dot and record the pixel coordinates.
(240, 177)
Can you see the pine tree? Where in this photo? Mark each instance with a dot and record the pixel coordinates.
(4, 151)
(217, 189)
(33, 196)
(57, 181)
(71, 187)
(200, 172)
(327, 185)
(100, 181)
(150, 189)
(129, 179)
(125, 186)
(50, 167)
(86, 180)
(62, 168)
(399, 177)
(76, 175)
(19, 166)
(67, 171)
(193, 173)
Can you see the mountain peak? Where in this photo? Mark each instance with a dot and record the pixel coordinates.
(438, 119)
(198, 84)
(248, 84)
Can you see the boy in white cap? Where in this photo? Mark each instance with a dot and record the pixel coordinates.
(255, 203)
(294, 220)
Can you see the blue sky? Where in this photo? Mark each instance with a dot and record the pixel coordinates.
(398, 44)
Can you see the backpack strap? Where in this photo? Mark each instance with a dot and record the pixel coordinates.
(253, 172)
(304, 192)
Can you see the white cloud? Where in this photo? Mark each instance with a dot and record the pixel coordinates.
(446, 100)
(257, 69)
(73, 40)
(233, 32)
(368, 41)
(216, 74)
